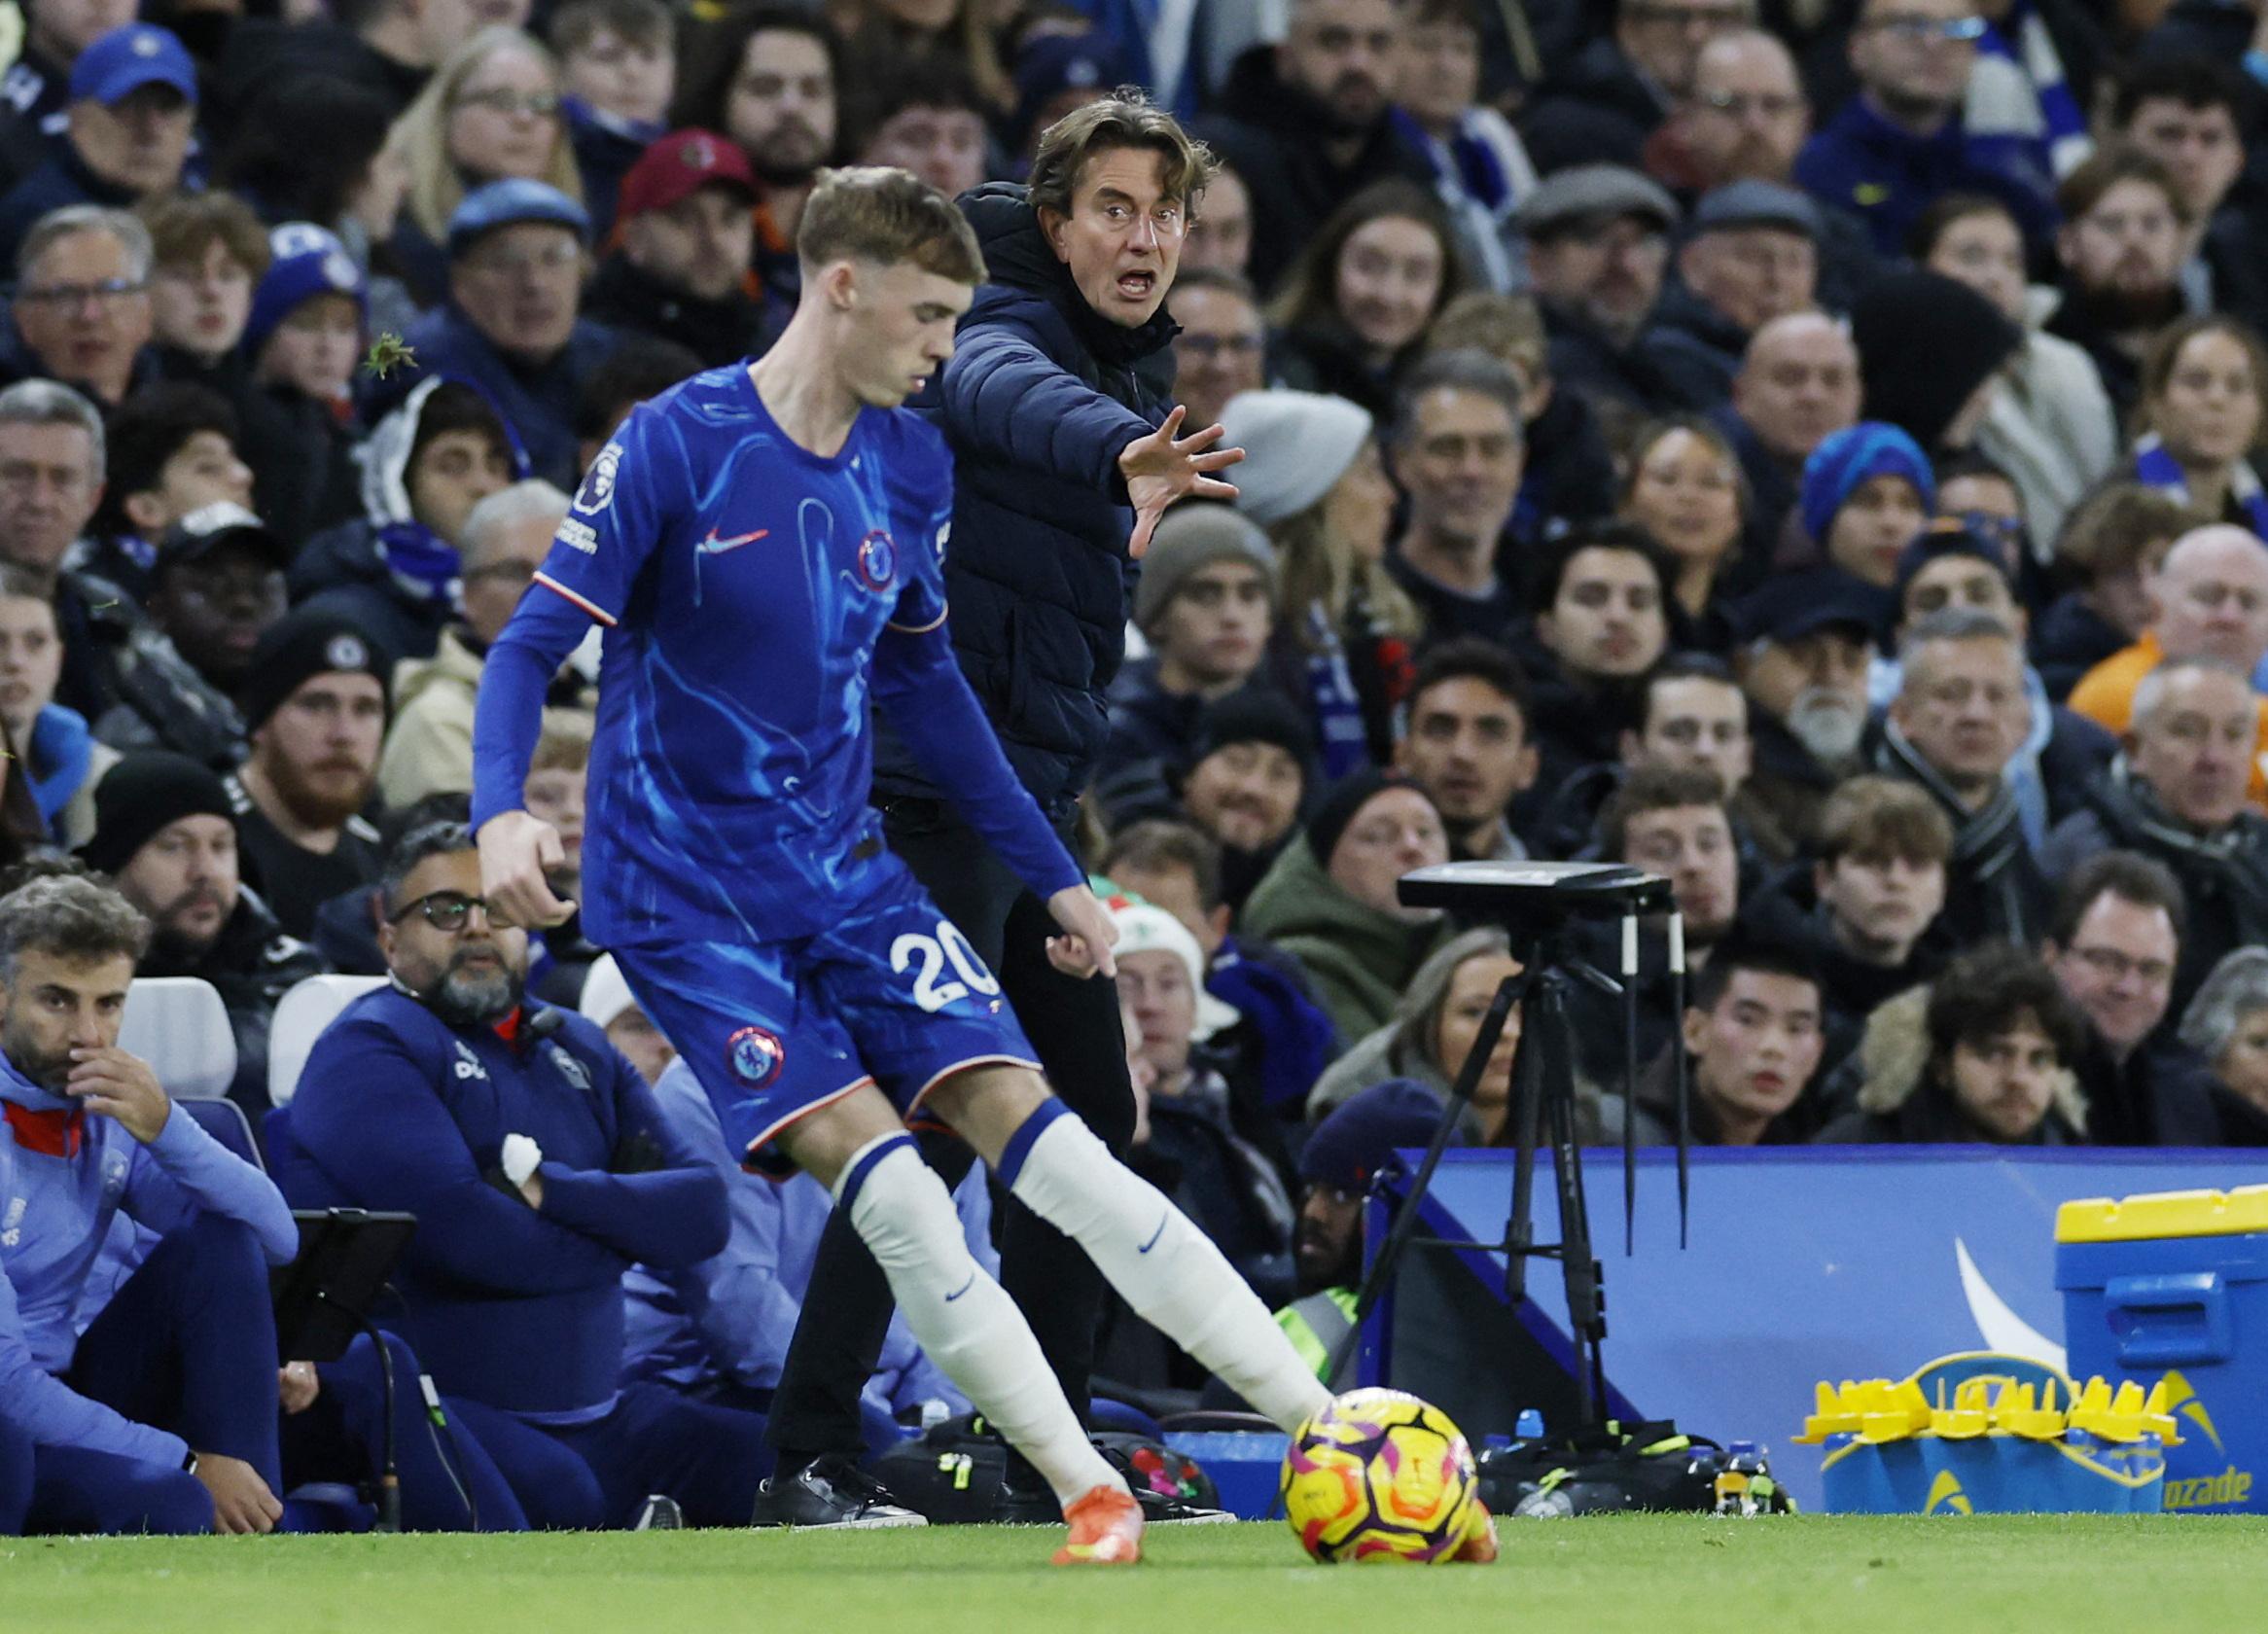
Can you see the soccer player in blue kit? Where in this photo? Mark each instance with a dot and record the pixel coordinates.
(762, 546)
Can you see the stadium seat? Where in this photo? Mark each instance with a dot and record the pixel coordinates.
(226, 1122)
(300, 1019)
(178, 1024)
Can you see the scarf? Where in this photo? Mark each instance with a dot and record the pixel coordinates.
(56, 761)
(426, 569)
(2064, 144)
(2229, 861)
(1343, 739)
(2156, 468)
(1986, 842)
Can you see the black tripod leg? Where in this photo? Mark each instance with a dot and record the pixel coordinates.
(1579, 1268)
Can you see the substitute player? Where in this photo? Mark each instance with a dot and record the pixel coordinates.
(762, 546)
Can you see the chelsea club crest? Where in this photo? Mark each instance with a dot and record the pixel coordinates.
(755, 1056)
(877, 560)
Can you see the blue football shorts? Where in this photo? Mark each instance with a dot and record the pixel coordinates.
(892, 994)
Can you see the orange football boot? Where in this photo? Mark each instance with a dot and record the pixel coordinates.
(1105, 1529)
(1479, 1546)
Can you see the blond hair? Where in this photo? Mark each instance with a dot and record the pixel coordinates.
(564, 744)
(1317, 568)
(420, 137)
(875, 212)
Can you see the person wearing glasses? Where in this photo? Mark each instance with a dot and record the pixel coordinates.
(2114, 946)
(1900, 143)
(82, 311)
(429, 748)
(165, 831)
(1223, 347)
(519, 258)
(314, 705)
(540, 1169)
(126, 134)
(2176, 794)
(491, 111)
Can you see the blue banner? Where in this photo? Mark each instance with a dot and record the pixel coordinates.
(1806, 1265)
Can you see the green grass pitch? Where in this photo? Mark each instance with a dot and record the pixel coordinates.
(1647, 1575)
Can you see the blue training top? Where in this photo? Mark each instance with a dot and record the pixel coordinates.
(747, 585)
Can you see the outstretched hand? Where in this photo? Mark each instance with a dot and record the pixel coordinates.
(1161, 468)
(1083, 950)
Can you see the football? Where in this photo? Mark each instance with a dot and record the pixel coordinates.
(1378, 1474)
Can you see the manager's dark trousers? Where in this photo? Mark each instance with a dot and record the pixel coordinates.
(1075, 1030)
(188, 1343)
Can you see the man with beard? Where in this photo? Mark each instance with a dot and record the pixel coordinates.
(150, 1404)
(164, 829)
(1341, 1164)
(686, 236)
(1598, 246)
(1798, 384)
(1957, 720)
(1467, 744)
(1901, 141)
(770, 79)
(2189, 113)
(2125, 231)
(540, 1169)
(1806, 643)
(1304, 123)
(315, 707)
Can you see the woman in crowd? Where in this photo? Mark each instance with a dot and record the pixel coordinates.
(1355, 307)
(1866, 491)
(490, 112)
(2050, 426)
(1344, 634)
(1686, 489)
(2227, 1023)
(2200, 412)
(1433, 1030)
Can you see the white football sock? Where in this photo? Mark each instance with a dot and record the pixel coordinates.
(1161, 1265)
(961, 1317)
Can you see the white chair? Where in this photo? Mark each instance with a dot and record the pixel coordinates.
(178, 1024)
(301, 1016)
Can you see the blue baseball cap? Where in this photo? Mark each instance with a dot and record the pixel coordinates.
(305, 260)
(125, 59)
(508, 202)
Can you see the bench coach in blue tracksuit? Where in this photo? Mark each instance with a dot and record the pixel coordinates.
(147, 1404)
(539, 1169)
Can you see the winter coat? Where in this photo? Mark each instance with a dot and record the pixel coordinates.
(1327, 356)
(158, 700)
(1359, 958)
(1372, 1061)
(717, 331)
(2051, 429)
(1038, 400)
(429, 745)
(1277, 139)
(1597, 107)
(2069, 639)
(2160, 1095)
(253, 964)
(1696, 345)
(1787, 915)
(1901, 1101)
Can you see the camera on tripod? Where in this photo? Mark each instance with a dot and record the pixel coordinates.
(1540, 905)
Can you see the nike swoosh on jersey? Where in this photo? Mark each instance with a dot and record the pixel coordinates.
(715, 547)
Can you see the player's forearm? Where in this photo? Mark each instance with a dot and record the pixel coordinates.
(921, 689)
(508, 711)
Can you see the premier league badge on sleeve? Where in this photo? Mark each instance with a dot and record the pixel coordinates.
(755, 1056)
(598, 482)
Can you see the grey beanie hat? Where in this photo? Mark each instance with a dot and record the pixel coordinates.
(1192, 536)
(1296, 446)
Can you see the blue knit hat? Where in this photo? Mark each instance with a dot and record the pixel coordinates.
(1354, 1141)
(305, 262)
(1851, 457)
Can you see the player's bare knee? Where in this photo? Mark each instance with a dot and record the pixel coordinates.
(821, 1142)
(986, 1104)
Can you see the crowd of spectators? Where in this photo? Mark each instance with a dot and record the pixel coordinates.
(1807, 452)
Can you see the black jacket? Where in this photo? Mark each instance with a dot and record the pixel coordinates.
(1039, 399)
(253, 964)
(1596, 108)
(2160, 1095)
(1695, 346)
(1274, 138)
(626, 299)
(2069, 639)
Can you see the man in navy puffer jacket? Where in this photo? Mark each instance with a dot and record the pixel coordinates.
(1064, 457)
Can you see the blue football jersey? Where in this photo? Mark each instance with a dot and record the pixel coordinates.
(743, 583)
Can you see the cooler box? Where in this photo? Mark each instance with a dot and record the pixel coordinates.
(2174, 1286)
